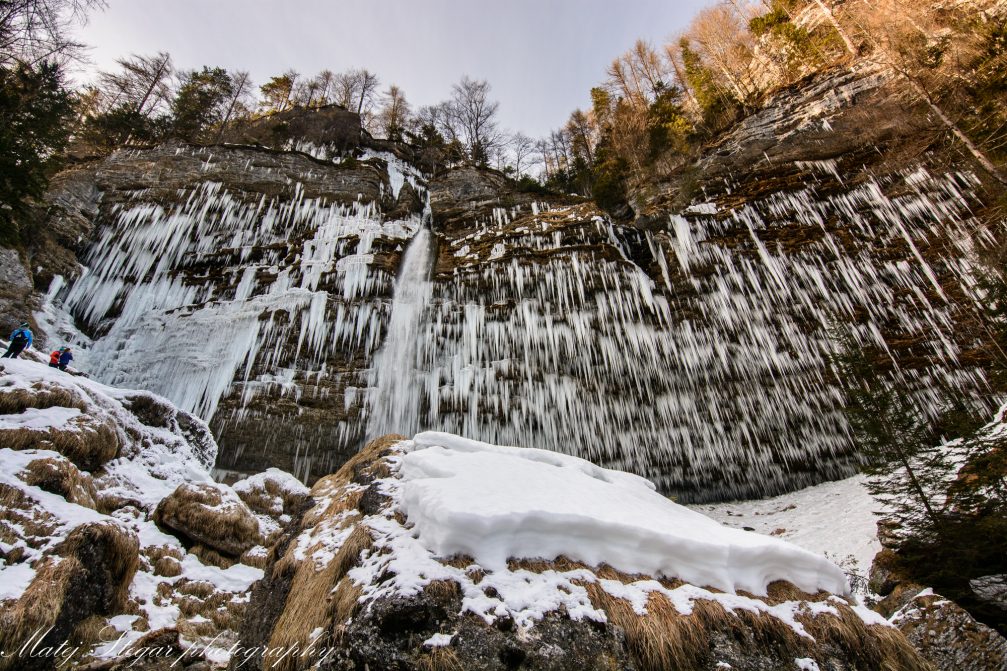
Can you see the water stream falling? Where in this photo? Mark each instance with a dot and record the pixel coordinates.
(395, 377)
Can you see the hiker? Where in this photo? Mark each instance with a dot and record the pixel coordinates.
(20, 340)
(65, 358)
(54, 358)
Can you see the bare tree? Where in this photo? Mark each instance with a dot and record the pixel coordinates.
(143, 83)
(326, 82)
(476, 117)
(725, 44)
(393, 117)
(522, 147)
(35, 30)
(240, 101)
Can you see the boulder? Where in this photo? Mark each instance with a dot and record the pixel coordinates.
(352, 546)
(90, 577)
(212, 515)
(948, 637)
(59, 476)
(991, 589)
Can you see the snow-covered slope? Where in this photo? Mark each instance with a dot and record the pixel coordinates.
(83, 470)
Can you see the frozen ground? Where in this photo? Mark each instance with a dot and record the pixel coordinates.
(835, 518)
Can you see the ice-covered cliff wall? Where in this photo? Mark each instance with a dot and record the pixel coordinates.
(258, 288)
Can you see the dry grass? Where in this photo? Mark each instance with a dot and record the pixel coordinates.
(196, 512)
(345, 600)
(39, 396)
(61, 477)
(305, 609)
(256, 559)
(334, 483)
(210, 556)
(665, 640)
(22, 520)
(869, 646)
(88, 443)
(271, 499)
(438, 659)
(662, 640)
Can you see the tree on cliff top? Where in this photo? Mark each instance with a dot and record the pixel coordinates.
(35, 108)
(201, 102)
(33, 31)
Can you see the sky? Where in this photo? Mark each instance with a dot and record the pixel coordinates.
(541, 57)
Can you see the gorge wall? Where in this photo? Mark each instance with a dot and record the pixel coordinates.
(256, 286)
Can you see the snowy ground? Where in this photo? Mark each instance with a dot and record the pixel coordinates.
(835, 518)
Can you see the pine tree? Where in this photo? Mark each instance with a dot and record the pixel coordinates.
(894, 439)
(36, 110)
(201, 102)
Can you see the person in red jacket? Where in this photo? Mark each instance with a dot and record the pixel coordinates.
(54, 359)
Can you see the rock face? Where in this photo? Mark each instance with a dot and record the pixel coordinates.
(948, 637)
(255, 287)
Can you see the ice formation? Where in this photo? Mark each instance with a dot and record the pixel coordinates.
(698, 358)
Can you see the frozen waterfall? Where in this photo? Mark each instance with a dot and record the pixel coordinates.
(395, 373)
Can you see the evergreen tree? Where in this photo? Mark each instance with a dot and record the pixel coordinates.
(277, 91)
(36, 110)
(894, 438)
(201, 102)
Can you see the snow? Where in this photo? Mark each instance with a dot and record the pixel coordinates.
(806, 664)
(836, 519)
(14, 580)
(438, 640)
(493, 503)
(152, 462)
(46, 418)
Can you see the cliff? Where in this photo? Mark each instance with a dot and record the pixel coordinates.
(256, 286)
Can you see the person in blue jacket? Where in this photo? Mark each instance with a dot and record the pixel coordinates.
(65, 357)
(20, 340)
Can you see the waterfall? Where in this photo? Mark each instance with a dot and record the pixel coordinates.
(395, 376)
(696, 355)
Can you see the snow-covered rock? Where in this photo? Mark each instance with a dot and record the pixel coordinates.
(445, 552)
(948, 637)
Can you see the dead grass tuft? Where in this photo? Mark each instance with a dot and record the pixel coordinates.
(305, 609)
(345, 600)
(210, 556)
(356, 465)
(86, 441)
(439, 659)
(40, 396)
(662, 640)
(199, 512)
(22, 520)
(443, 591)
(256, 558)
(61, 477)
